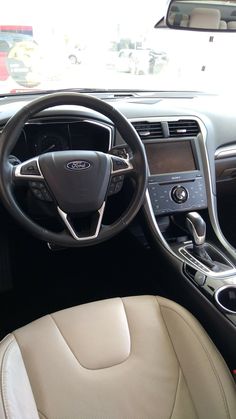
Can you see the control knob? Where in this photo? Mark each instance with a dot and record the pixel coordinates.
(179, 194)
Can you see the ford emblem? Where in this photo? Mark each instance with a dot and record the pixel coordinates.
(78, 165)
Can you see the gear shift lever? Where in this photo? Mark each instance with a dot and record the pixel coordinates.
(197, 228)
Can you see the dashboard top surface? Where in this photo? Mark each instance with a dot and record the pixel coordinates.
(217, 113)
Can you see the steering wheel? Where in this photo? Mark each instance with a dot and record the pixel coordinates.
(77, 182)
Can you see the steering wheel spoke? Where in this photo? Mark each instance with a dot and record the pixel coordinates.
(121, 166)
(94, 224)
(28, 170)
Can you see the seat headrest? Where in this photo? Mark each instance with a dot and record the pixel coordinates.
(205, 18)
(232, 24)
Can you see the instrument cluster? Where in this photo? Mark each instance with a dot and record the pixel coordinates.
(39, 137)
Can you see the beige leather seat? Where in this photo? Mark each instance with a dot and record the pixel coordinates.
(232, 25)
(130, 358)
(202, 17)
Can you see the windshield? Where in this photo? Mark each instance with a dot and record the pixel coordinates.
(106, 45)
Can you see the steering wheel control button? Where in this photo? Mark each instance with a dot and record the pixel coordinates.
(116, 184)
(119, 164)
(40, 191)
(179, 194)
(118, 187)
(111, 189)
(118, 178)
(38, 194)
(30, 169)
(122, 152)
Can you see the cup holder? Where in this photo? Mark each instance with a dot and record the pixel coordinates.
(226, 298)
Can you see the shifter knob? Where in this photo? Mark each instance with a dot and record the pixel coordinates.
(197, 228)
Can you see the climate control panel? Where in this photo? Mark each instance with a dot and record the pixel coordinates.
(179, 194)
(167, 198)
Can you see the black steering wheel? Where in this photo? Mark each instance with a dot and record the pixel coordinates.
(77, 182)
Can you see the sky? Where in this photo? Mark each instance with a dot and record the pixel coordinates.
(97, 13)
(92, 22)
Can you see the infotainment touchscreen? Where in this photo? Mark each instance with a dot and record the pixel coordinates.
(170, 157)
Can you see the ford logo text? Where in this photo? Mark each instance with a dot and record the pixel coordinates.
(78, 165)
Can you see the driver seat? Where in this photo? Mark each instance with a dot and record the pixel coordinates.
(124, 358)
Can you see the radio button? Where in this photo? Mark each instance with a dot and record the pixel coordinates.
(179, 194)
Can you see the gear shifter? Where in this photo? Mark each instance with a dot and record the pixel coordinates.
(197, 228)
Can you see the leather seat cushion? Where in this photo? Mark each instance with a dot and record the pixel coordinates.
(135, 357)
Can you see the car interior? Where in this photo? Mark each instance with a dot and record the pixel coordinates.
(117, 254)
(216, 15)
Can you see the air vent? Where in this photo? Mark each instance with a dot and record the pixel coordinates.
(148, 130)
(183, 128)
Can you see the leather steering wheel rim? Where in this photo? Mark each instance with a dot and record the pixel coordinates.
(10, 135)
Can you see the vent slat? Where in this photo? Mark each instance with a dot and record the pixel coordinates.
(148, 130)
(183, 128)
(152, 130)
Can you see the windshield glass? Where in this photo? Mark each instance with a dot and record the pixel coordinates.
(107, 45)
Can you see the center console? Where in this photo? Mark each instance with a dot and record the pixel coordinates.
(176, 182)
(179, 194)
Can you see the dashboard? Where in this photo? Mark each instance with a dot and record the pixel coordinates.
(176, 179)
(189, 140)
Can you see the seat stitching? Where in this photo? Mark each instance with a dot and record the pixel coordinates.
(15, 338)
(176, 392)
(130, 351)
(6, 354)
(190, 394)
(54, 321)
(179, 368)
(209, 358)
(210, 361)
(81, 365)
(42, 414)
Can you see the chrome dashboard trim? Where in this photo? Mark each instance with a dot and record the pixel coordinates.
(204, 269)
(225, 152)
(164, 119)
(212, 204)
(216, 295)
(194, 262)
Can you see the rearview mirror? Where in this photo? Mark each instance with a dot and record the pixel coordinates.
(209, 15)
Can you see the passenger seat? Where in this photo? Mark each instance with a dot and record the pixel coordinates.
(204, 18)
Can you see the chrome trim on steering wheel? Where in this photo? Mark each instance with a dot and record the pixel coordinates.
(128, 169)
(64, 217)
(18, 168)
